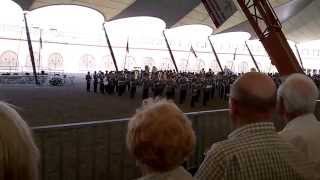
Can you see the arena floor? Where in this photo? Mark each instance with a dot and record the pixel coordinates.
(70, 104)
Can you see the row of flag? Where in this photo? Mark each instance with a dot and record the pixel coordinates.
(128, 49)
(191, 49)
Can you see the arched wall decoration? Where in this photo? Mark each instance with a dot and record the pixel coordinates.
(130, 63)
(9, 60)
(107, 63)
(243, 67)
(36, 60)
(201, 64)
(214, 66)
(55, 62)
(166, 64)
(87, 62)
(183, 64)
(229, 64)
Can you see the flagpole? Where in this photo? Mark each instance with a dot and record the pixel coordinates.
(30, 49)
(170, 51)
(234, 58)
(215, 54)
(299, 55)
(188, 61)
(110, 47)
(40, 48)
(127, 51)
(125, 61)
(252, 57)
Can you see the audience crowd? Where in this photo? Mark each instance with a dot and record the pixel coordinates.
(161, 138)
(254, 150)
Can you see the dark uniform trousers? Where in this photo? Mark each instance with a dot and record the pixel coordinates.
(194, 97)
(145, 93)
(206, 96)
(95, 86)
(183, 95)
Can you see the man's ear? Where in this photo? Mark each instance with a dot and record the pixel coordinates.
(233, 106)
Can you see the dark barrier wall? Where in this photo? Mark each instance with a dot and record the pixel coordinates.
(97, 150)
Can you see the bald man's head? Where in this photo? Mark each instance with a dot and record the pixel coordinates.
(254, 92)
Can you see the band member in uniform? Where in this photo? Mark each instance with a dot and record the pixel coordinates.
(170, 91)
(88, 79)
(145, 86)
(194, 93)
(183, 85)
(133, 87)
(95, 82)
(227, 90)
(213, 88)
(198, 87)
(112, 84)
(106, 83)
(206, 92)
(162, 86)
(156, 88)
(101, 82)
(121, 86)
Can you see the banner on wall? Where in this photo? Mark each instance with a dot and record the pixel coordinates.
(220, 10)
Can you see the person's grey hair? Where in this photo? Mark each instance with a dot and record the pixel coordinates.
(19, 155)
(299, 94)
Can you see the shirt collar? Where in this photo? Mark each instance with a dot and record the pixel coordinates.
(254, 128)
(161, 175)
(301, 119)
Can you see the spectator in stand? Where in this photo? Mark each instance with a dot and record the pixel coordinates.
(161, 138)
(19, 155)
(296, 104)
(254, 150)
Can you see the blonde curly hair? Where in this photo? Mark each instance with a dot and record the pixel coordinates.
(160, 136)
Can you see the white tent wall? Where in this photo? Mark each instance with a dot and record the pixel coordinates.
(99, 57)
(81, 46)
(74, 42)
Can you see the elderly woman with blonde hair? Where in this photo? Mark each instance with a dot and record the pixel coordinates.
(18, 154)
(161, 138)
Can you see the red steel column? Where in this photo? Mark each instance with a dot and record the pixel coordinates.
(265, 23)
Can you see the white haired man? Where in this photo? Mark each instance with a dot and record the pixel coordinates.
(254, 150)
(296, 104)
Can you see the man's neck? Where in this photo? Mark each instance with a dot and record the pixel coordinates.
(292, 116)
(245, 120)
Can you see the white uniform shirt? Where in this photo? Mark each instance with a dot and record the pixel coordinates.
(304, 133)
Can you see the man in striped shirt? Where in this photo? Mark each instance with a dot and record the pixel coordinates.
(254, 150)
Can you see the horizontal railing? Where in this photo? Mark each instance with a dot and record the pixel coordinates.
(97, 149)
(95, 123)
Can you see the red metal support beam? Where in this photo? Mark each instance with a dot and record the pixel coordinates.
(265, 23)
